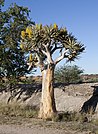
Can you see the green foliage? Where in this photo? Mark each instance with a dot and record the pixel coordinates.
(68, 74)
(12, 59)
(94, 80)
(91, 80)
(44, 41)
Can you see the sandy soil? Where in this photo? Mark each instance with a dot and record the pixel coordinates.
(40, 128)
(13, 129)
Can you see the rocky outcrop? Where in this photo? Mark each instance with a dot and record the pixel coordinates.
(68, 98)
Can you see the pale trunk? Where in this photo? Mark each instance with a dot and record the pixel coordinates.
(47, 106)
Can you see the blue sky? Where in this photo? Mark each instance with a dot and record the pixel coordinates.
(79, 16)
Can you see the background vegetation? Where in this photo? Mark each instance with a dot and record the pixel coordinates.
(68, 74)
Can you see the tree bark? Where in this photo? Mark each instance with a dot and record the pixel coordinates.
(47, 106)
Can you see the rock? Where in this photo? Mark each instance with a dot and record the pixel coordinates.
(71, 99)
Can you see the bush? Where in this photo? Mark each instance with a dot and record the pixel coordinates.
(68, 74)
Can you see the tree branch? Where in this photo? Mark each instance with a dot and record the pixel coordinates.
(55, 48)
(62, 56)
(43, 52)
(47, 53)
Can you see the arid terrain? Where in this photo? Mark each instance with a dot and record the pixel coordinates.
(68, 99)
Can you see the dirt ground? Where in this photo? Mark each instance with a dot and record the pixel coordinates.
(36, 126)
(13, 129)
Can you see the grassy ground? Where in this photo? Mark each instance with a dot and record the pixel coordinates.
(21, 115)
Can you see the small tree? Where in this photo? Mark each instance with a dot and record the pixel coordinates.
(68, 74)
(42, 42)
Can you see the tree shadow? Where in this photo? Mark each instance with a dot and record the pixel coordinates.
(90, 105)
(22, 89)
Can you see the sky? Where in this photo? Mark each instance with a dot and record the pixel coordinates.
(80, 17)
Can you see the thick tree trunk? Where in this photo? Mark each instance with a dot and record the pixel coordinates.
(47, 106)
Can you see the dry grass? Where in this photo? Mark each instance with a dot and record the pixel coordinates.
(78, 122)
(72, 116)
(16, 110)
(73, 121)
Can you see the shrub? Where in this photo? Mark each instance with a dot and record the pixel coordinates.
(68, 74)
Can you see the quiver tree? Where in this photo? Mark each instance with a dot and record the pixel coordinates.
(42, 42)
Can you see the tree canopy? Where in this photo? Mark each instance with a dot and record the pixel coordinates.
(43, 41)
(13, 21)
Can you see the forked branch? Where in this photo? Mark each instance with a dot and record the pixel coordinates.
(62, 56)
